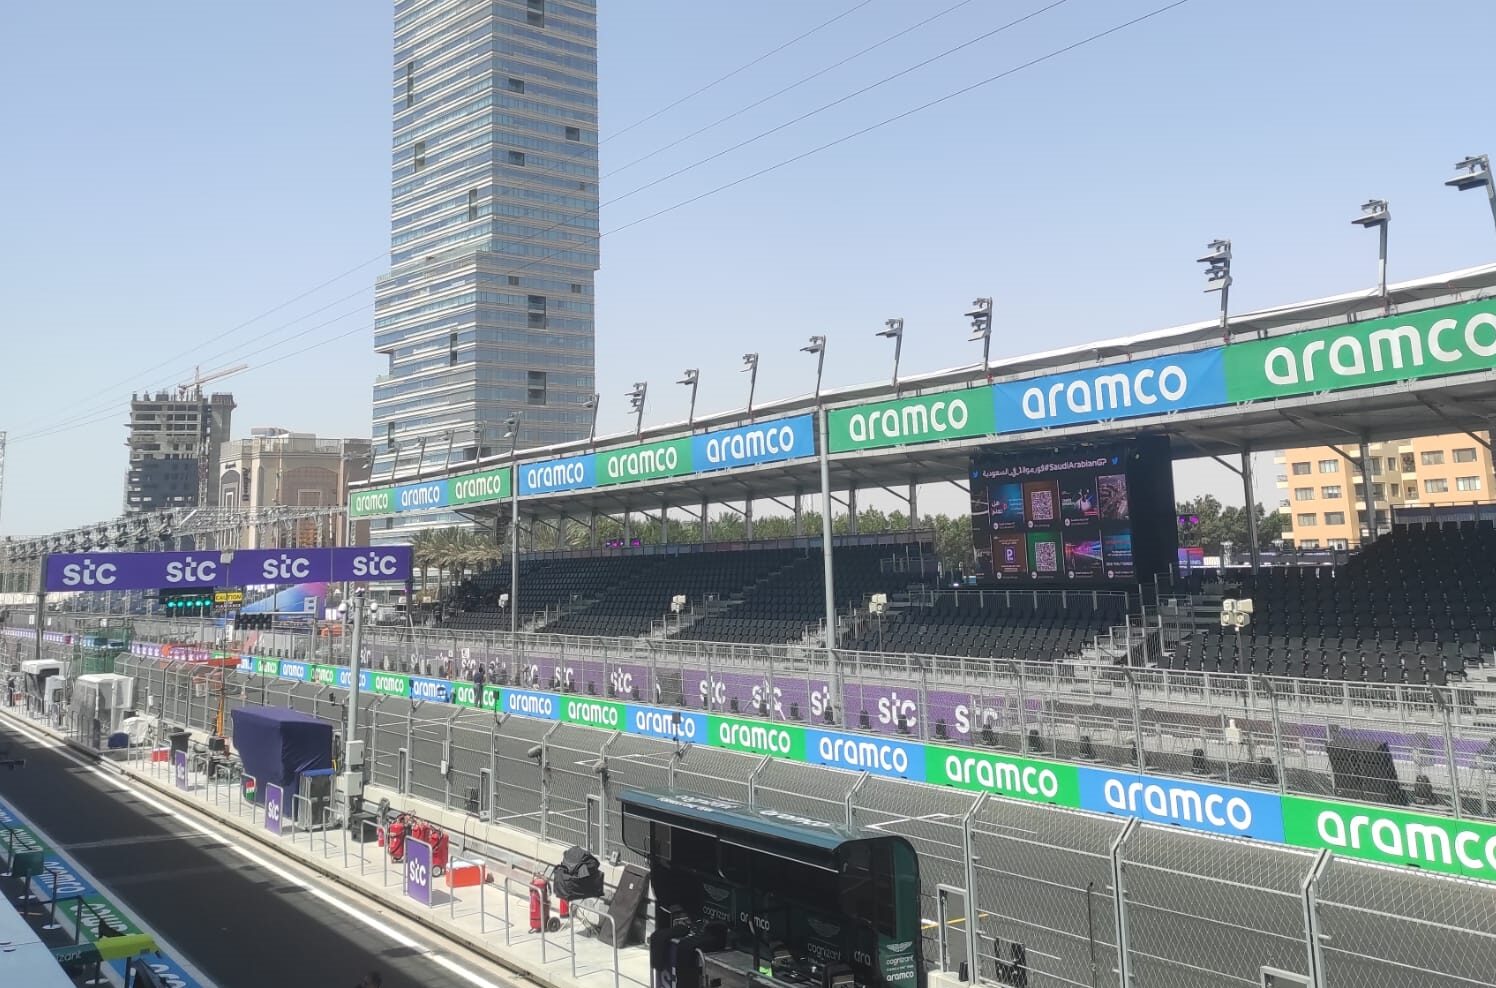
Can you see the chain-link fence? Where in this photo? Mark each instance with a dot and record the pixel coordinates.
(1269, 733)
(1011, 892)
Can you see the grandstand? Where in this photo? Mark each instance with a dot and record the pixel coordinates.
(1414, 607)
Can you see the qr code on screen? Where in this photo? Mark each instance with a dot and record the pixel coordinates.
(1041, 505)
(1046, 557)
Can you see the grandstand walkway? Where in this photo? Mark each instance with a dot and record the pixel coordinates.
(321, 945)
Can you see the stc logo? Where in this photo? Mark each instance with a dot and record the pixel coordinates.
(286, 568)
(376, 564)
(195, 571)
(89, 574)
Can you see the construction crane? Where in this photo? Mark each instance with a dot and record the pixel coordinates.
(193, 390)
(194, 387)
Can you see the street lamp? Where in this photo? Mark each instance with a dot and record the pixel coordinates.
(691, 377)
(1374, 213)
(981, 329)
(511, 424)
(750, 367)
(817, 346)
(1477, 173)
(636, 403)
(591, 404)
(895, 332)
(1218, 278)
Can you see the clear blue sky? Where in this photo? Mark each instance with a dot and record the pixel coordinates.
(175, 168)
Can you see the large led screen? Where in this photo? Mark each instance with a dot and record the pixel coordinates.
(1069, 516)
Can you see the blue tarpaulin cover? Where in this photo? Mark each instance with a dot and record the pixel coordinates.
(278, 744)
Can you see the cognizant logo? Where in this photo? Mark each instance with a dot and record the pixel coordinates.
(1182, 804)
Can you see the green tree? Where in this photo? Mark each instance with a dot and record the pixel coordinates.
(1219, 524)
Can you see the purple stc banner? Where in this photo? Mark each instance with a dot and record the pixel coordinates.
(179, 769)
(274, 807)
(418, 871)
(227, 568)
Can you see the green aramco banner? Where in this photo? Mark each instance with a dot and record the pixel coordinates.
(1452, 339)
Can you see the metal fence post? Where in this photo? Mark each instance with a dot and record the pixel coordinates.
(968, 848)
(545, 781)
(602, 791)
(1311, 918)
(753, 781)
(1135, 702)
(851, 798)
(1446, 721)
(1278, 753)
(1119, 903)
(1017, 668)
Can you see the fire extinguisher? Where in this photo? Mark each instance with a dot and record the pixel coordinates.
(540, 907)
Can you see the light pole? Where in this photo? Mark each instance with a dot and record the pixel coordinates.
(591, 405)
(512, 424)
(817, 346)
(691, 377)
(1218, 279)
(750, 367)
(636, 403)
(981, 329)
(1236, 615)
(895, 332)
(1477, 174)
(1374, 213)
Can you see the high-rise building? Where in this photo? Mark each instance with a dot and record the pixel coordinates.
(488, 305)
(276, 469)
(174, 441)
(1323, 495)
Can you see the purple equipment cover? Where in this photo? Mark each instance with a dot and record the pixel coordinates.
(278, 744)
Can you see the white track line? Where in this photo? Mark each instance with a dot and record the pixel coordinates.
(472, 978)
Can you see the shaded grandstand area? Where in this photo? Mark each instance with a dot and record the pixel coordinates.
(1415, 607)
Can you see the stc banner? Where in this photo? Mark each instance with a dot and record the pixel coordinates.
(237, 568)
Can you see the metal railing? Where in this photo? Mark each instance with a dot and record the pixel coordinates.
(1067, 898)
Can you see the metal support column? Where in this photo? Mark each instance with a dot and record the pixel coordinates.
(706, 520)
(748, 518)
(1251, 507)
(968, 851)
(1371, 501)
(1310, 893)
(913, 505)
(799, 516)
(830, 581)
(1119, 903)
(852, 509)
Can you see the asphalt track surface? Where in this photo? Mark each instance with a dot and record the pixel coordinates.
(245, 918)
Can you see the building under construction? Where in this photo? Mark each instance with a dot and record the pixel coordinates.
(174, 442)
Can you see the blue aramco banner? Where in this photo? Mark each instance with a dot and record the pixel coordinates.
(570, 473)
(1214, 809)
(762, 442)
(1114, 391)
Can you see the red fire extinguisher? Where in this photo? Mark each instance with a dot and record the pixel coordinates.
(540, 907)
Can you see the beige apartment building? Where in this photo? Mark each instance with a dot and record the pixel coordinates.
(1322, 493)
(277, 468)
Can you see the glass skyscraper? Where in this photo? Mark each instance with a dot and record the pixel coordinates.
(487, 307)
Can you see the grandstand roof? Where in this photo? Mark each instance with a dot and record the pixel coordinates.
(1461, 400)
